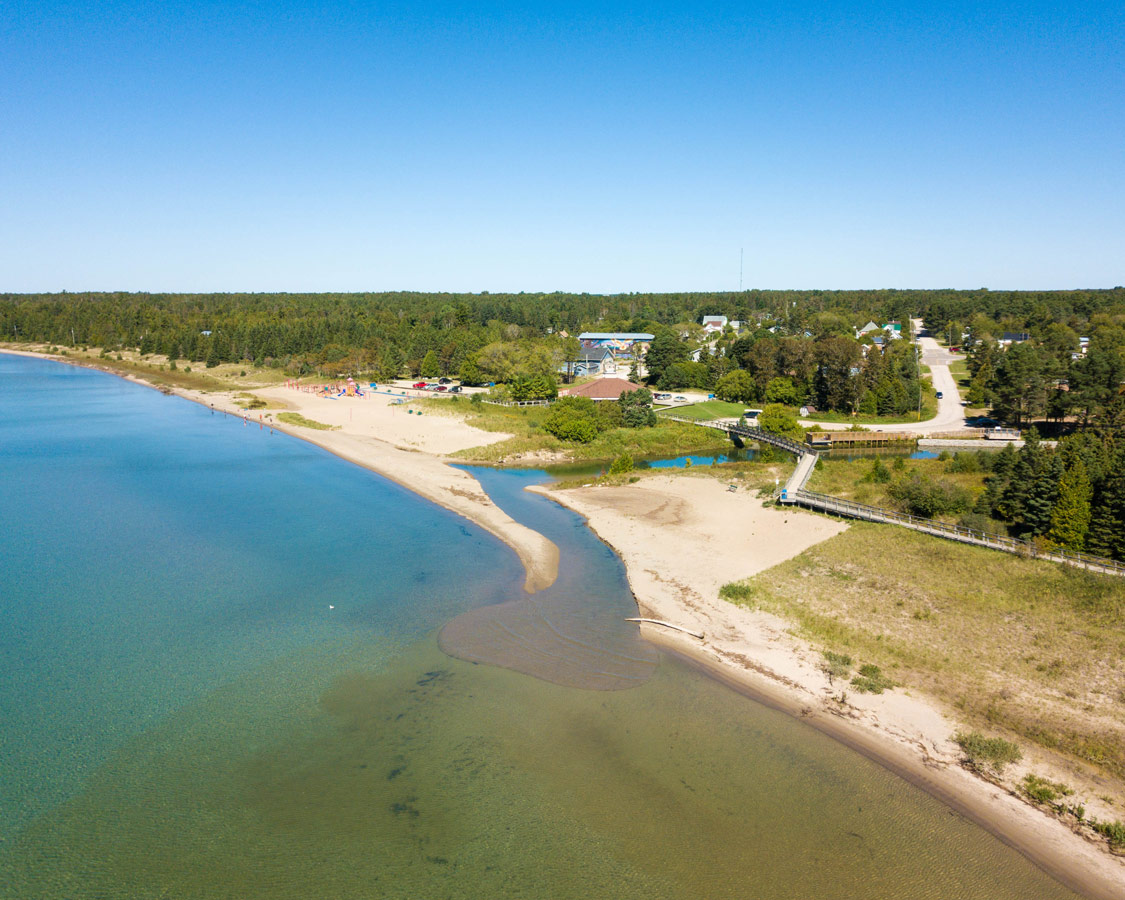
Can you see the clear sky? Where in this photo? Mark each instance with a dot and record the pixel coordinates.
(588, 147)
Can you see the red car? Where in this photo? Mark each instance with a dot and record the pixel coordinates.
(420, 385)
(441, 387)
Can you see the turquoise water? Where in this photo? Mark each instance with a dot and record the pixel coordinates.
(183, 714)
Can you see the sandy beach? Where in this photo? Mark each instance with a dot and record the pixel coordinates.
(682, 538)
(371, 431)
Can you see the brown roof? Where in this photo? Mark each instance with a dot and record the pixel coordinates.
(601, 389)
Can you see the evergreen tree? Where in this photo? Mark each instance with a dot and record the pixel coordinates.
(664, 351)
(636, 409)
(431, 368)
(1042, 497)
(1016, 492)
(1106, 536)
(1070, 519)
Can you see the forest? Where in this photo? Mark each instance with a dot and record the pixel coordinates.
(793, 347)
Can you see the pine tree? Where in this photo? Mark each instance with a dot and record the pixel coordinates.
(1043, 496)
(1070, 519)
(430, 366)
(1106, 536)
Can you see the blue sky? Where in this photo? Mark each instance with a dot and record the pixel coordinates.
(586, 147)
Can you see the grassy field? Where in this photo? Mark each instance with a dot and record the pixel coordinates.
(1029, 648)
(845, 478)
(528, 436)
(709, 410)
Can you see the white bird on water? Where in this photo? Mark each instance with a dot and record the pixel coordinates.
(330, 606)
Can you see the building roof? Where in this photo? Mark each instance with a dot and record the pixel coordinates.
(601, 389)
(1015, 336)
(593, 354)
(614, 336)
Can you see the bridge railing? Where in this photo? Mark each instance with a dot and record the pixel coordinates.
(746, 431)
(827, 503)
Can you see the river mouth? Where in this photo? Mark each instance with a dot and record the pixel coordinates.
(574, 633)
(222, 679)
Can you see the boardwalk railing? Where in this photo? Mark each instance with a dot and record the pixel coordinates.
(746, 431)
(794, 493)
(837, 506)
(517, 402)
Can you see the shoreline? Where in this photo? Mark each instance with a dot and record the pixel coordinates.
(752, 653)
(423, 473)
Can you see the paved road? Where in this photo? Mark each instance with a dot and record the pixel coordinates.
(950, 415)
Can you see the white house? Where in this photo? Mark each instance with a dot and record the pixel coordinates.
(712, 324)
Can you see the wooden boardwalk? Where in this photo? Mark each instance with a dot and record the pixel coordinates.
(836, 506)
(794, 494)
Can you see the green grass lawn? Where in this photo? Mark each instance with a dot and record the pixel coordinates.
(708, 410)
(1028, 647)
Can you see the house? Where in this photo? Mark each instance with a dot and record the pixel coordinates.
(591, 362)
(1013, 337)
(712, 324)
(866, 329)
(600, 389)
(893, 330)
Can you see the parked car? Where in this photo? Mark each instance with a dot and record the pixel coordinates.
(420, 385)
(681, 399)
(440, 387)
(940, 395)
(661, 396)
(445, 381)
(456, 389)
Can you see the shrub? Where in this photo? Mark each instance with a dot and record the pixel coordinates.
(987, 753)
(836, 665)
(621, 465)
(737, 592)
(871, 680)
(925, 497)
(964, 462)
(477, 399)
(776, 419)
(980, 522)
(1043, 791)
(573, 419)
(878, 473)
(1114, 832)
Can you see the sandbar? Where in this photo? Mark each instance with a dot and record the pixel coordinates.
(683, 537)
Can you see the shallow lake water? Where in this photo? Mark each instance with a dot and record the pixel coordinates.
(219, 651)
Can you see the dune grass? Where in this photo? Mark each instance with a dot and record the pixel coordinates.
(1025, 646)
(528, 436)
(844, 478)
(292, 418)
